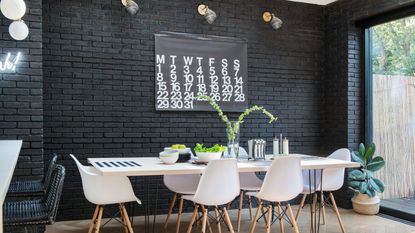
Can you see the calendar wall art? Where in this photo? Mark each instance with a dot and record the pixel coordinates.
(187, 65)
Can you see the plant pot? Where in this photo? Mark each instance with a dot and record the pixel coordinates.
(363, 204)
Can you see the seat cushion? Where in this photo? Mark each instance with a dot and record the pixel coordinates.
(27, 187)
(25, 213)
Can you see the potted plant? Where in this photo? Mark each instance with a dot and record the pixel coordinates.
(363, 182)
(206, 154)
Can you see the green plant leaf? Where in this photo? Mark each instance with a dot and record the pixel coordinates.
(354, 184)
(363, 187)
(357, 175)
(362, 150)
(380, 184)
(374, 185)
(369, 153)
(356, 157)
(376, 164)
(371, 192)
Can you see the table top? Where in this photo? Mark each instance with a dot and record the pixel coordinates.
(9, 152)
(152, 166)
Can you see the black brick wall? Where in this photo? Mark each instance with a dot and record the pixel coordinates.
(99, 80)
(344, 123)
(95, 96)
(21, 105)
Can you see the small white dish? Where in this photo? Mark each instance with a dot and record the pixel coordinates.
(181, 151)
(208, 156)
(169, 156)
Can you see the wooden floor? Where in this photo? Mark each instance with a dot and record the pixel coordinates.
(400, 207)
(354, 223)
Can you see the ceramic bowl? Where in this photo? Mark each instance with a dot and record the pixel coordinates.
(208, 156)
(169, 157)
(181, 151)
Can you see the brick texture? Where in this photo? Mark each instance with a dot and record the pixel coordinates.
(85, 84)
(99, 81)
(21, 105)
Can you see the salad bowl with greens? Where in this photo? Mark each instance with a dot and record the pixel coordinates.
(206, 154)
(181, 148)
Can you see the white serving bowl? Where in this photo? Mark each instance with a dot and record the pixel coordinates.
(169, 156)
(181, 151)
(208, 156)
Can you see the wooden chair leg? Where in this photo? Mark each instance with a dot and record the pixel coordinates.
(250, 207)
(228, 220)
(268, 225)
(291, 216)
(333, 201)
(204, 220)
(98, 224)
(241, 202)
(127, 219)
(94, 218)
(217, 217)
(172, 203)
(323, 208)
(123, 218)
(264, 217)
(300, 208)
(193, 219)
(208, 222)
(280, 219)
(179, 216)
(253, 222)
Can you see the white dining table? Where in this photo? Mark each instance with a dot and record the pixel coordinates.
(152, 166)
(9, 153)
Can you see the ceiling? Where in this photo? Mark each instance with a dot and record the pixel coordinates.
(318, 2)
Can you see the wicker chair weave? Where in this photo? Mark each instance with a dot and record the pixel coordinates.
(39, 211)
(28, 188)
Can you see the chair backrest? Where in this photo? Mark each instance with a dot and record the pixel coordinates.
(54, 191)
(49, 170)
(180, 183)
(219, 183)
(103, 190)
(283, 180)
(333, 178)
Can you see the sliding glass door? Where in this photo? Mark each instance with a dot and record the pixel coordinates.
(390, 75)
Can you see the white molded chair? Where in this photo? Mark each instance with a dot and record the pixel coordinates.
(283, 182)
(249, 182)
(180, 185)
(215, 188)
(333, 179)
(105, 190)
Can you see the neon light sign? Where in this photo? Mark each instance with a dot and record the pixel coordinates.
(8, 64)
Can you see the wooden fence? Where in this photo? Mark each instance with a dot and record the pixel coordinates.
(394, 132)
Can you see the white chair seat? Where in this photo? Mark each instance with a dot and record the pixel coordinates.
(184, 189)
(182, 184)
(188, 197)
(249, 181)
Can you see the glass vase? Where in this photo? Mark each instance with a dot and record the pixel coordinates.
(233, 141)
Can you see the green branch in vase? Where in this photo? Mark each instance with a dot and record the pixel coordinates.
(234, 128)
